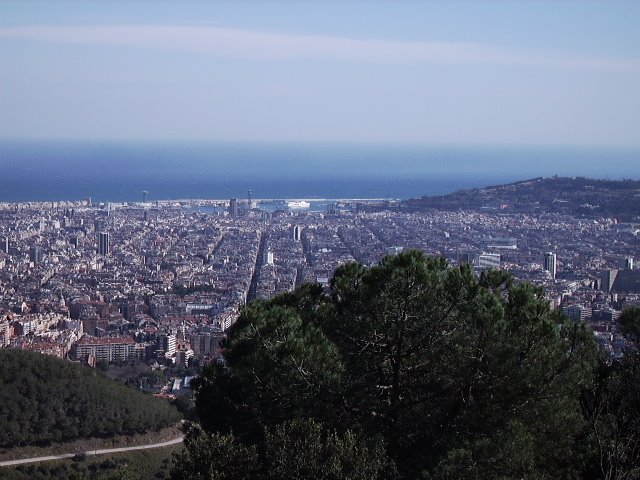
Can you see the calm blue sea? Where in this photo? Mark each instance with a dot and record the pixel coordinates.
(120, 171)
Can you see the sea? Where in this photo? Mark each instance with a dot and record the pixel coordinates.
(119, 171)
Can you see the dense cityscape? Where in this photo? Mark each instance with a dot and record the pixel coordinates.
(332, 240)
(162, 281)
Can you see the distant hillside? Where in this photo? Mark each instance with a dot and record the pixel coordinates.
(576, 196)
(44, 399)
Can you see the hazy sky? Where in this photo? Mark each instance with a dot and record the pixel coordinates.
(454, 72)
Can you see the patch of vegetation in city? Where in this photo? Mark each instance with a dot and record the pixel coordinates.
(45, 400)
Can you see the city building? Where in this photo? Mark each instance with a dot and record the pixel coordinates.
(267, 258)
(550, 263)
(297, 233)
(465, 258)
(579, 313)
(5, 332)
(488, 260)
(35, 254)
(606, 314)
(501, 243)
(103, 243)
(233, 207)
(167, 343)
(205, 343)
(620, 281)
(183, 357)
(109, 349)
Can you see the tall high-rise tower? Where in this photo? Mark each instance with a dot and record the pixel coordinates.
(297, 232)
(233, 207)
(35, 254)
(550, 263)
(103, 243)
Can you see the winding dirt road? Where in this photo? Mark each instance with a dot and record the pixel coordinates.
(9, 463)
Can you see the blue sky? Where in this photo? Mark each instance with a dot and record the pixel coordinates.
(462, 73)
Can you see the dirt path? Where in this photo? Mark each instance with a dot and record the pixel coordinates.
(48, 458)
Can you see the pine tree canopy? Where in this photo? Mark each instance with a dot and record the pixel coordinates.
(410, 368)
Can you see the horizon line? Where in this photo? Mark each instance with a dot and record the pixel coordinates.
(152, 203)
(390, 143)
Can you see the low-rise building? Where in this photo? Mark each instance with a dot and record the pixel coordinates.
(105, 348)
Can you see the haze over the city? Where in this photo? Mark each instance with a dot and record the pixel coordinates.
(517, 73)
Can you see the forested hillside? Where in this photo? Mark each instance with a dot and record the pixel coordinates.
(576, 196)
(414, 369)
(44, 399)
